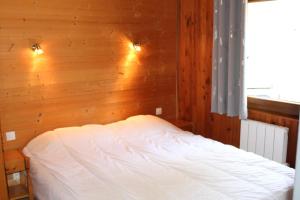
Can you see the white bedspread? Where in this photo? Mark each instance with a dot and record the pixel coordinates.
(145, 158)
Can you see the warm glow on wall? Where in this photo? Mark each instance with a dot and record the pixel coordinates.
(39, 60)
(132, 57)
(130, 63)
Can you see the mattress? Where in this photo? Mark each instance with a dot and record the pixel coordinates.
(146, 158)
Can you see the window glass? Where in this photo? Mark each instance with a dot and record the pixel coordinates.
(273, 50)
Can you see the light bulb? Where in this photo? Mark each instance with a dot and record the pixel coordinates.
(37, 49)
(137, 47)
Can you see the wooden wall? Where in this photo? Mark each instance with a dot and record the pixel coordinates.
(88, 73)
(3, 187)
(194, 81)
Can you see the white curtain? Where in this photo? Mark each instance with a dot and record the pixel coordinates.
(228, 88)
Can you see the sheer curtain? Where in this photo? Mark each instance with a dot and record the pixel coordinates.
(228, 88)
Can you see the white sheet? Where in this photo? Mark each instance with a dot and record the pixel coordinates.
(146, 158)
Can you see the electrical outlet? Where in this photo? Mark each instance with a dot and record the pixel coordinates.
(10, 135)
(16, 177)
(158, 111)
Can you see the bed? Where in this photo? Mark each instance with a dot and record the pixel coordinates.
(147, 158)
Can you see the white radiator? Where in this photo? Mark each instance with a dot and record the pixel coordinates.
(264, 139)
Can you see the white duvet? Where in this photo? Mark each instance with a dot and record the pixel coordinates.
(146, 158)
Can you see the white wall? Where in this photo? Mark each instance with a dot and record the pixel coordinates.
(297, 180)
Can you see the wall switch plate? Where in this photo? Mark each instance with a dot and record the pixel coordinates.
(158, 111)
(10, 135)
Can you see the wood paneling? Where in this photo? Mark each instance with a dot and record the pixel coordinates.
(276, 107)
(186, 60)
(88, 73)
(194, 81)
(3, 185)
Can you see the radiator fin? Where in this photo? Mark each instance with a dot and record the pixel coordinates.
(264, 139)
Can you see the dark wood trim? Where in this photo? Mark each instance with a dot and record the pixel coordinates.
(288, 109)
(3, 184)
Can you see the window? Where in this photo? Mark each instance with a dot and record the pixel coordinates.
(273, 50)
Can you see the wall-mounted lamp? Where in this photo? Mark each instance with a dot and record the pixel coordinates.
(137, 47)
(36, 48)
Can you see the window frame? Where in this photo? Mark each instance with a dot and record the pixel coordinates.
(284, 108)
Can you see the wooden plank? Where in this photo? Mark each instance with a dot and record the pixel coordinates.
(3, 183)
(282, 108)
(203, 67)
(18, 192)
(194, 80)
(186, 59)
(14, 162)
